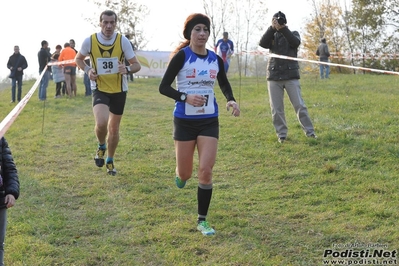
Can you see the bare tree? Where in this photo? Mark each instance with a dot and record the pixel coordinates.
(219, 12)
(392, 6)
(130, 17)
(325, 22)
(243, 19)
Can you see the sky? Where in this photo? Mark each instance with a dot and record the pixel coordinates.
(25, 24)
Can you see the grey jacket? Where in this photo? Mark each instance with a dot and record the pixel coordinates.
(323, 52)
(282, 42)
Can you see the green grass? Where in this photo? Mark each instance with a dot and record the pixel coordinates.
(273, 204)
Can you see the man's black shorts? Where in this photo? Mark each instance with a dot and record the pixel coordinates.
(190, 129)
(115, 101)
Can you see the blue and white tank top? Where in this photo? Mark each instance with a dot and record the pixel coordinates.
(197, 76)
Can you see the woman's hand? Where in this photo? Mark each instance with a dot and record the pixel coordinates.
(196, 100)
(234, 105)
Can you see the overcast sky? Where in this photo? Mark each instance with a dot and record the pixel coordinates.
(26, 24)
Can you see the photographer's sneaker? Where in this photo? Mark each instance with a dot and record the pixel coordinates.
(99, 158)
(110, 168)
(205, 228)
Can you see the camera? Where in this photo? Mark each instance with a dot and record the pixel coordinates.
(281, 18)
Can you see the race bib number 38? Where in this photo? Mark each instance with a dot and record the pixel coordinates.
(107, 66)
(207, 108)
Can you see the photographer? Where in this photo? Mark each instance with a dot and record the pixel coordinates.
(284, 74)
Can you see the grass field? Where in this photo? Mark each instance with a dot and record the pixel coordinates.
(273, 204)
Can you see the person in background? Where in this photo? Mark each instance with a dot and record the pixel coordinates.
(323, 53)
(9, 189)
(16, 64)
(44, 58)
(108, 73)
(86, 80)
(130, 76)
(58, 76)
(72, 44)
(69, 69)
(196, 122)
(58, 49)
(284, 74)
(225, 49)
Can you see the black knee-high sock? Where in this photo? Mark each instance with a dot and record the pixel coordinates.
(204, 195)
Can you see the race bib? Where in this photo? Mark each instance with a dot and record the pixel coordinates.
(207, 109)
(107, 66)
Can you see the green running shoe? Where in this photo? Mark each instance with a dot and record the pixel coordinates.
(180, 183)
(205, 228)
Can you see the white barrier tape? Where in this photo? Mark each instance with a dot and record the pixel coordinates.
(349, 56)
(332, 64)
(10, 118)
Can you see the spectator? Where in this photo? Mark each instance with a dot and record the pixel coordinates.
(69, 69)
(86, 80)
(9, 190)
(323, 52)
(58, 76)
(44, 58)
(16, 64)
(72, 43)
(58, 49)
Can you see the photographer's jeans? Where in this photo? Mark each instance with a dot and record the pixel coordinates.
(324, 70)
(44, 85)
(14, 82)
(3, 225)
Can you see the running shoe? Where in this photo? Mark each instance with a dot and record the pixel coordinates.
(180, 183)
(99, 158)
(110, 168)
(205, 228)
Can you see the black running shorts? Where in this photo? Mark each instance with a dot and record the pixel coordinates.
(115, 101)
(190, 129)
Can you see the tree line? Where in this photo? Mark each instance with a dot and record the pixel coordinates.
(359, 32)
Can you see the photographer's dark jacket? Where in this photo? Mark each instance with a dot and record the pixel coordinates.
(282, 42)
(8, 172)
(15, 61)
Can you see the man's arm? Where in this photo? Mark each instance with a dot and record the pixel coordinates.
(134, 65)
(80, 61)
